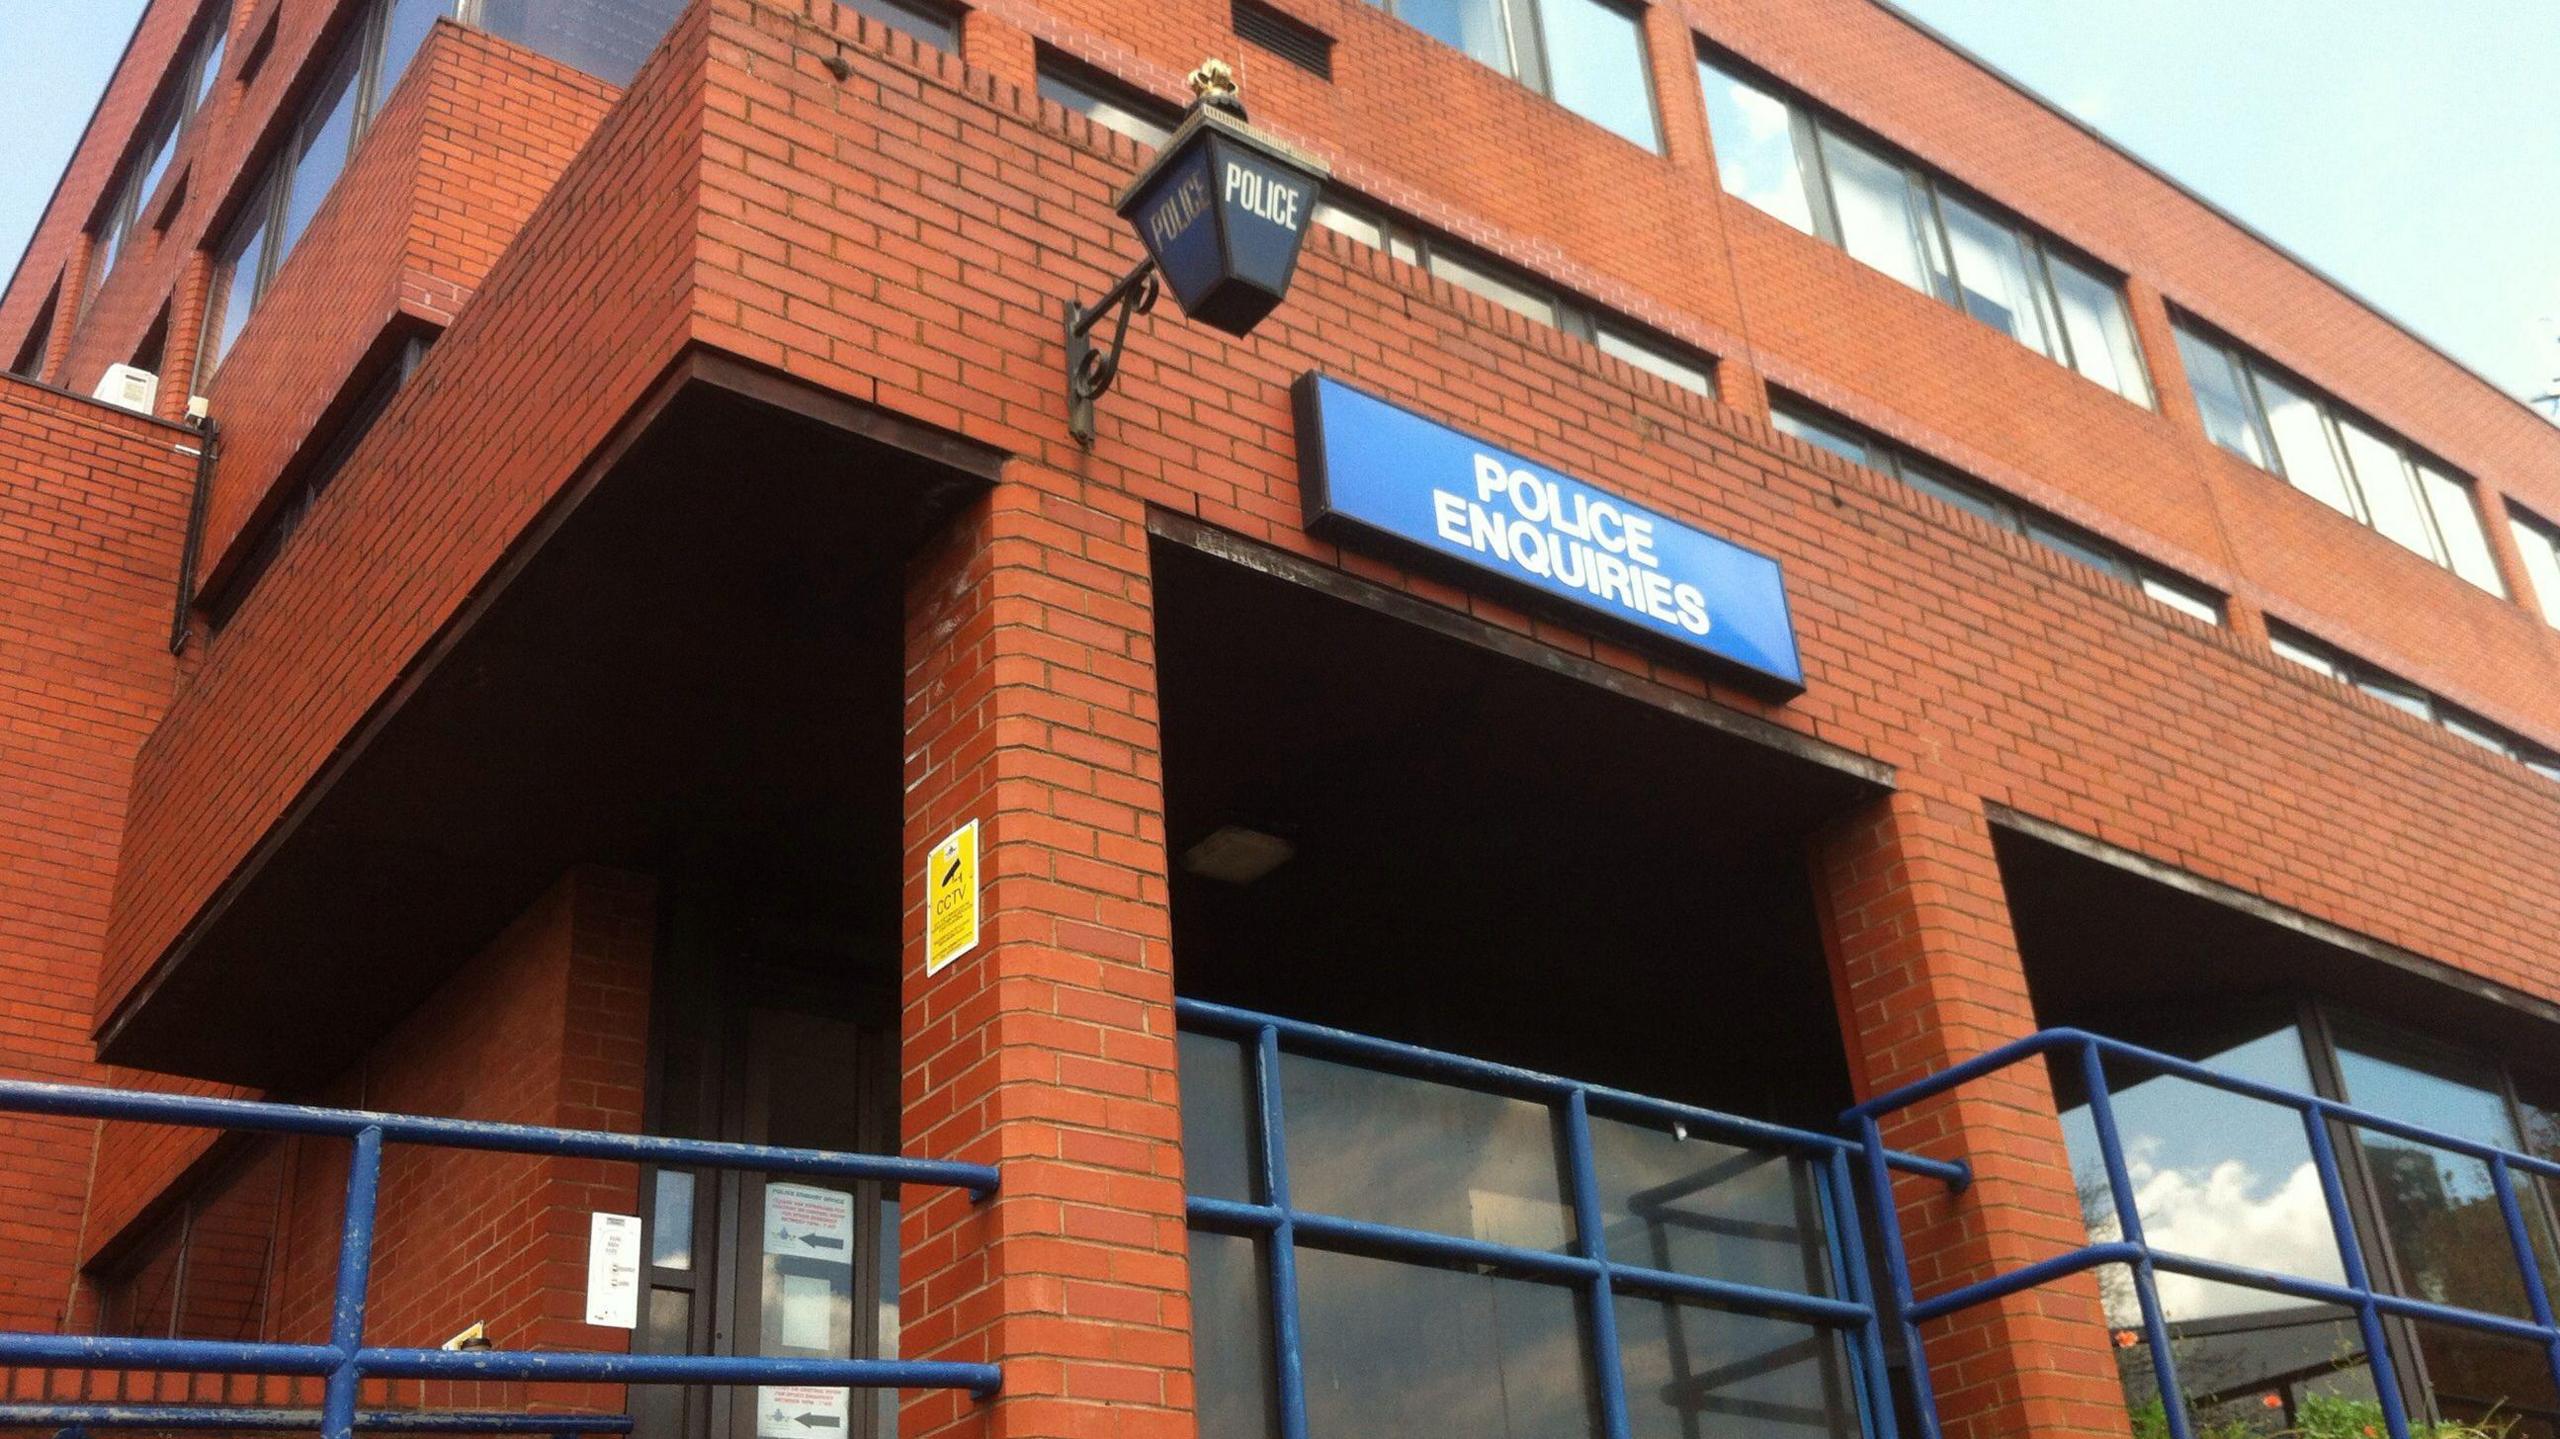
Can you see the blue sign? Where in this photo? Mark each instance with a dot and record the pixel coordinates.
(1372, 470)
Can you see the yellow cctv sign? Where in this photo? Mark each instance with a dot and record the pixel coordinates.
(951, 899)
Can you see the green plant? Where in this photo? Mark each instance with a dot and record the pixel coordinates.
(2321, 1416)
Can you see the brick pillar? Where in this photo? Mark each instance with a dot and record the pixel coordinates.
(1927, 972)
(1049, 1050)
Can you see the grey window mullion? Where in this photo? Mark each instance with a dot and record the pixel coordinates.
(1528, 44)
(1806, 132)
(2346, 461)
(1929, 234)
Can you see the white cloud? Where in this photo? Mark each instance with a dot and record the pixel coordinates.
(2228, 1213)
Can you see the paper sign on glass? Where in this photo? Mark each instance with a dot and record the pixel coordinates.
(613, 1271)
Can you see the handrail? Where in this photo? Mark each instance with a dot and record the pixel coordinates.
(346, 1360)
(2132, 1248)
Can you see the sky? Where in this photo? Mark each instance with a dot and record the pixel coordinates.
(2410, 150)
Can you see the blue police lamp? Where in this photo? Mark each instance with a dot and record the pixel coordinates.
(1223, 211)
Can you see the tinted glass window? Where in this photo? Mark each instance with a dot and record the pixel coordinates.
(1872, 197)
(320, 154)
(2093, 553)
(1696, 1206)
(405, 29)
(1467, 275)
(2217, 1175)
(1366, 229)
(1693, 1371)
(1654, 361)
(2446, 1228)
(2230, 418)
(1596, 66)
(1756, 156)
(1439, 1354)
(1420, 1155)
(1217, 1118)
(606, 41)
(209, 66)
(1113, 112)
(164, 148)
(1993, 273)
(2302, 441)
(2101, 333)
(1230, 1337)
(1847, 444)
(935, 27)
(239, 293)
(2178, 596)
(1947, 488)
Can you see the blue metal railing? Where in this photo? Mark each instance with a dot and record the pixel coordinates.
(2090, 1053)
(1587, 1263)
(346, 1360)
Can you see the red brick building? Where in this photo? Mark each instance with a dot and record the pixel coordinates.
(635, 524)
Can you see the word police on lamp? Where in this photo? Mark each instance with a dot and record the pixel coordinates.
(1223, 210)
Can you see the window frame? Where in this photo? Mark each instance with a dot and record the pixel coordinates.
(2301, 648)
(171, 118)
(262, 213)
(2162, 585)
(2529, 530)
(1927, 196)
(1524, 31)
(2254, 375)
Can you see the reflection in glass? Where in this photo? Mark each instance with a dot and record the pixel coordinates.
(1692, 1371)
(2102, 343)
(1992, 268)
(1596, 66)
(2442, 1216)
(1394, 1349)
(1502, 291)
(1754, 136)
(1409, 1152)
(2458, 521)
(1230, 1338)
(1217, 1118)
(1872, 196)
(2389, 493)
(2215, 1175)
(1845, 443)
(2302, 441)
(321, 154)
(2230, 420)
(2541, 550)
(1696, 1206)
(1476, 26)
(606, 40)
(406, 28)
(671, 1221)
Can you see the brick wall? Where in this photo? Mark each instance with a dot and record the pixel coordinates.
(548, 1025)
(92, 505)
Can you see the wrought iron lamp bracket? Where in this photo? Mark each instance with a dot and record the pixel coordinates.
(1091, 367)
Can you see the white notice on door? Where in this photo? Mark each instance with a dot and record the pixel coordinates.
(800, 1412)
(808, 1222)
(613, 1271)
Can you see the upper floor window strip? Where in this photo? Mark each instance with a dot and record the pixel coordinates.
(1807, 169)
(2301, 649)
(1859, 446)
(1586, 55)
(2324, 450)
(169, 119)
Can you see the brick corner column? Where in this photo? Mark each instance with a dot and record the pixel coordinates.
(1926, 968)
(1049, 1049)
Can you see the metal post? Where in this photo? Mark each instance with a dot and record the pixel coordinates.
(2377, 1344)
(2528, 1266)
(1291, 1364)
(2146, 1290)
(1840, 1211)
(1897, 1263)
(355, 1271)
(1588, 1223)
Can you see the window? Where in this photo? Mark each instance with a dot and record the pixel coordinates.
(1811, 172)
(1106, 102)
(929, 24)
(1857, 445)
(2279, 424)
(169, 120)
(1586, 55)
(288, 194)
(203, 1273)
(2538, 540)
(306, 489)
(608, 41)
(1508, 1352)
(2302, 649)
(1483, 275)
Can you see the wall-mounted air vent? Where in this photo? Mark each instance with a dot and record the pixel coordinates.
(1286, 36)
